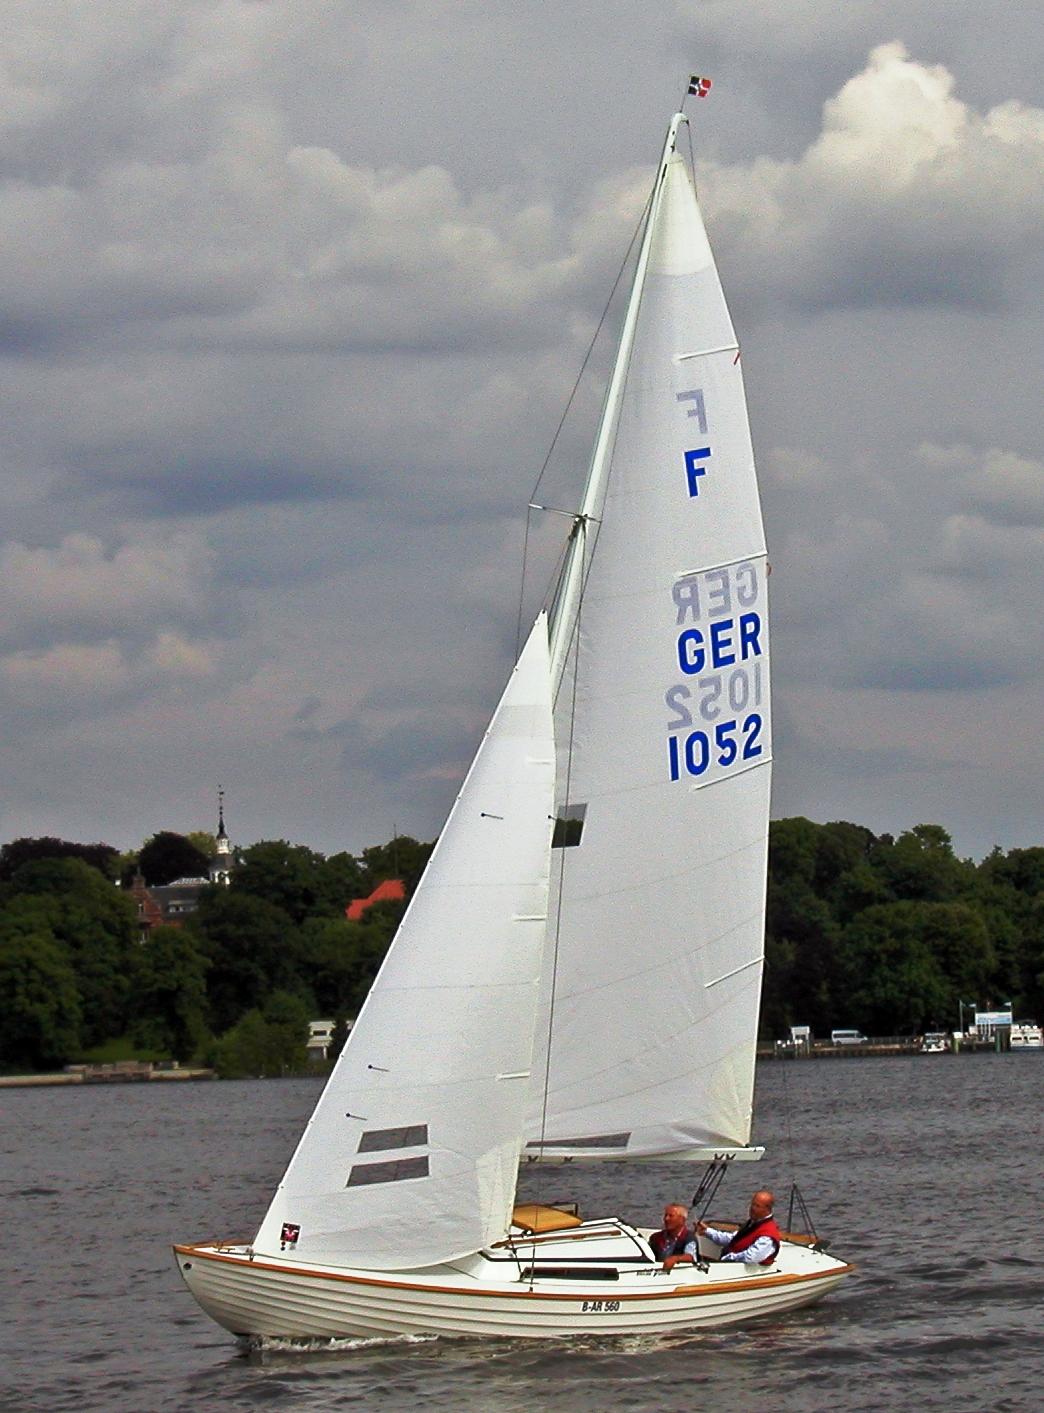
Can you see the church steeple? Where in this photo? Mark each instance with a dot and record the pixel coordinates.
(223, 846)
(221, 864)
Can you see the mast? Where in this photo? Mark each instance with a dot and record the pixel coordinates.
(564, 614)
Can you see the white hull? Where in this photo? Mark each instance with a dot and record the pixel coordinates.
(264, 1296)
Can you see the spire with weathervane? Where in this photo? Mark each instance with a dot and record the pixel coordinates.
(222, 863)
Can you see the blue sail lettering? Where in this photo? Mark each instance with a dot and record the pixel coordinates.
(691, 655)
(749, 628)
(721, 642)
(693, 469)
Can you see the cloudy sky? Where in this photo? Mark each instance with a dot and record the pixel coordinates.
(293, 295)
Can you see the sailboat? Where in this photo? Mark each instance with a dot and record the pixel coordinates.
(577, 978)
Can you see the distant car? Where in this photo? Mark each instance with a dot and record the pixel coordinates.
(847, 1037)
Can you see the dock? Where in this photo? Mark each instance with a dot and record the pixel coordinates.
(120, 1072)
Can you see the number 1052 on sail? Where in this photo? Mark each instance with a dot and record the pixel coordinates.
(732, 742)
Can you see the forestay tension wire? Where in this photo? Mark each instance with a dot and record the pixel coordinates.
(565, 414)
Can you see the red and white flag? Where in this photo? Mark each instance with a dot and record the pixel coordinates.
(700, 86)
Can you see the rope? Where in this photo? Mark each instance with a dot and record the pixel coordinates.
(561, 872)
(797, 1199)
(565, 414)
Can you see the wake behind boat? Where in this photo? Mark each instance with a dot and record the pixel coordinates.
(609, 843)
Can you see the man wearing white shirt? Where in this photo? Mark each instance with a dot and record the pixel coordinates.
(756, 1243)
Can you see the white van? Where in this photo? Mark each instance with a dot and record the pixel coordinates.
(847, 1037)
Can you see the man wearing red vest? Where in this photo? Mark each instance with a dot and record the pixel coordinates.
(756, 1243)
(675, 1235)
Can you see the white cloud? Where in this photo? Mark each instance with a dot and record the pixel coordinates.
(69, 681)
(943, 599)
(175, 656)
(1001, 485)
(69, 674)
(906, 196)
(81, 585)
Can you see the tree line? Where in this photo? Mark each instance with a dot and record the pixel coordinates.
(891, 934)
(885, 934)
(233, 985)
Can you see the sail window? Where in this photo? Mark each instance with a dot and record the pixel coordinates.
(395, 1171)
(603, 1140)
(569, 826)
(379, 1139)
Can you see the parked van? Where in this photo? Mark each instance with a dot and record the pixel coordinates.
(847, 1037)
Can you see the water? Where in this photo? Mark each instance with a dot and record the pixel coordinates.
(924, 1170)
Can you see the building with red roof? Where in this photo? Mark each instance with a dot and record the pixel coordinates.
(390, 891)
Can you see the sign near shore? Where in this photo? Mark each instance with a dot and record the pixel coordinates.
(990, 1020)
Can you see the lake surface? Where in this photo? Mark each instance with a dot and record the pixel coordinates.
(924, 1170)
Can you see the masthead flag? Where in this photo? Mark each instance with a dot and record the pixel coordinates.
(700, 86)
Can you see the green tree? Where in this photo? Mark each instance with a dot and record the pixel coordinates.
(801, 972)
(42, 1011)
(169, 993)
(1031, 961)
(203, 841)
(95, 921)
(858, 888)
(335, 957)
(242, 1052)
(920, 866)
(1021, 870)
(168, 856)
(342, 881)
(288, 876)
(13, 856)
(266, 1043)
(793, 845)
(378, 927)
(893, 979)
(250, 947)
(402, 857)
(1011, 896)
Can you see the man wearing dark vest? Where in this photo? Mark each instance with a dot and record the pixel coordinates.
(756, 1243)
(675, 1234)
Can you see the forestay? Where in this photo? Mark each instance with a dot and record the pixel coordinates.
(411, 1155)
(662, 722)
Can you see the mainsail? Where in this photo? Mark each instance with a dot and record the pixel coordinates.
(660, 656)
(411, 1155)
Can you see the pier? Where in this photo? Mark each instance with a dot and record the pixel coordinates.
(120, 1072)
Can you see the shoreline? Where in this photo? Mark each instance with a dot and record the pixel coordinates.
(102, 1075)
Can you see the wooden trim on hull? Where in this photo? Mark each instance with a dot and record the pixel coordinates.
(765, 1282)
